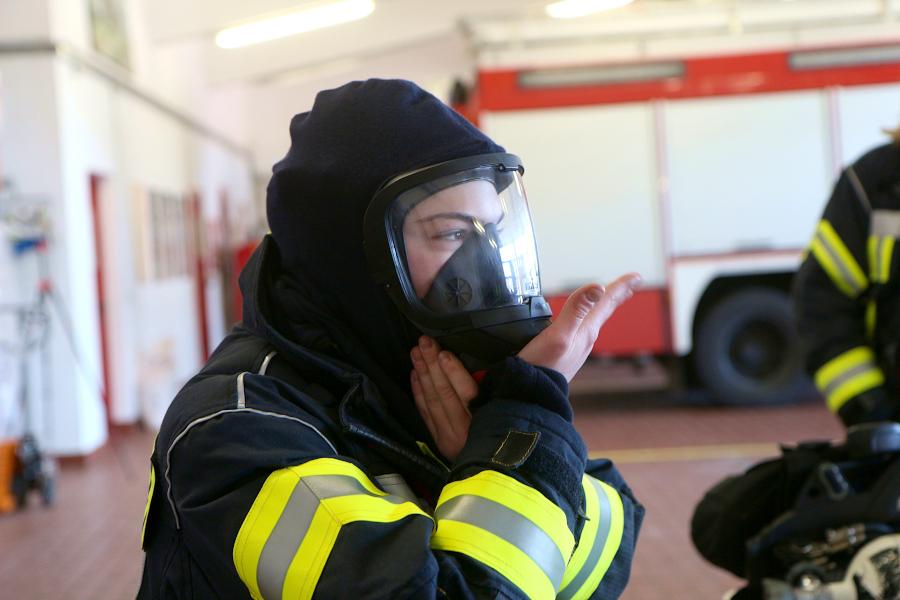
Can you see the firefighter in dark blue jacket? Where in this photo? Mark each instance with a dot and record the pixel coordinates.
(848, 291)
(847, 300)
(316, 455)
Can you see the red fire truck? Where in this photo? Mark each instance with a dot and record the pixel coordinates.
(706, 175)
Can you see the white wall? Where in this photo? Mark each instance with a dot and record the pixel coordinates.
(67, 414)
(153, 327)
(63, 122)
(24, 20)
(433, 65)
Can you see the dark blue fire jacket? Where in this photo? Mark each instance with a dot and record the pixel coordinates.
(278, 472)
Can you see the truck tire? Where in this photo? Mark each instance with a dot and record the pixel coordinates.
(747, 350)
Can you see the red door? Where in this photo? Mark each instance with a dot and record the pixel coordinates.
(96, 182)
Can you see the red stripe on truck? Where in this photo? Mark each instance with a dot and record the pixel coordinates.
(640, 326)
(702, 77)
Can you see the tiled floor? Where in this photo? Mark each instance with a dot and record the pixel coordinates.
(86, 546)
(670, 449)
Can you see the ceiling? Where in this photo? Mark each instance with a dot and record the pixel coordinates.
(404, 26)
(435, 42)
(395, 25)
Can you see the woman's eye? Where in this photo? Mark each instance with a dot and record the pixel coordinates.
(453, 236)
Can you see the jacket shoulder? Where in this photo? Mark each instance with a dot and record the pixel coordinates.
(236, 383)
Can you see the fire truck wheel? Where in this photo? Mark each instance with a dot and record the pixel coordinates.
(747, 352)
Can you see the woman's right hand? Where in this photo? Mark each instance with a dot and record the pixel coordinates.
(567, 342)
(442, 389)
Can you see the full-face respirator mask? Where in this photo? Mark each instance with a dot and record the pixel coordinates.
(454, 246)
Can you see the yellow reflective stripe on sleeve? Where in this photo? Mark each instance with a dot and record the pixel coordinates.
(847, 375)
(873, 256)
(887, 252)
(290, 530)
(837, 261)
(871, 318)
(842, 363)
(507, 526)
(613, 541)
(855, 386)
(519, 497)
(599, 541)
(149, 499)
(306, 567)
(505, 558)
(307, 564)
(588, 533)
(258, 525)
(880, 252)
(336, 466)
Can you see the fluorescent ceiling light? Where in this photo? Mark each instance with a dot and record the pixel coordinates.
(571, 9)
(299, 21)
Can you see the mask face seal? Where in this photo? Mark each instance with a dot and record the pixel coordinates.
(454, 245)
(472, 278)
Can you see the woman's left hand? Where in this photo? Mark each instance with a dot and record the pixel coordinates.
(442, 389)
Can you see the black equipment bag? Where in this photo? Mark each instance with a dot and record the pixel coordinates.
(811, 487)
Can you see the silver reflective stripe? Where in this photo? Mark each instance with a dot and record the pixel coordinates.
(284, 541)
(843, 378)
(886, 223)
(846, 275)
(875, 267)
(195, 422)
(508, 525)
(605, 515)
(393, 483)
(242, 399)
(294, 523)
(860, 190)
(332, 486)
(266, 361)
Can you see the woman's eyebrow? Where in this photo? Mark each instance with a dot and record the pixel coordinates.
(449, 215)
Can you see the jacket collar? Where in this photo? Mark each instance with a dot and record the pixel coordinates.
(362, 411)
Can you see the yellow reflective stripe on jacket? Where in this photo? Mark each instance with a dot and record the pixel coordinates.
(871, 318)
(424, 449)
(291, 528)
(152, 486)
(887, 252)
(834, 257)
(847, 375)
(507, 526)
(599, 542)
(880, 251)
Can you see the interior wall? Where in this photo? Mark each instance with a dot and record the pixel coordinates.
(67, 116)
(153, 322)
(63, 400)
(24, 20)
(433, 65)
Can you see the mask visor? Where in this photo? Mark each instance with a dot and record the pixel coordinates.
(465, 242)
